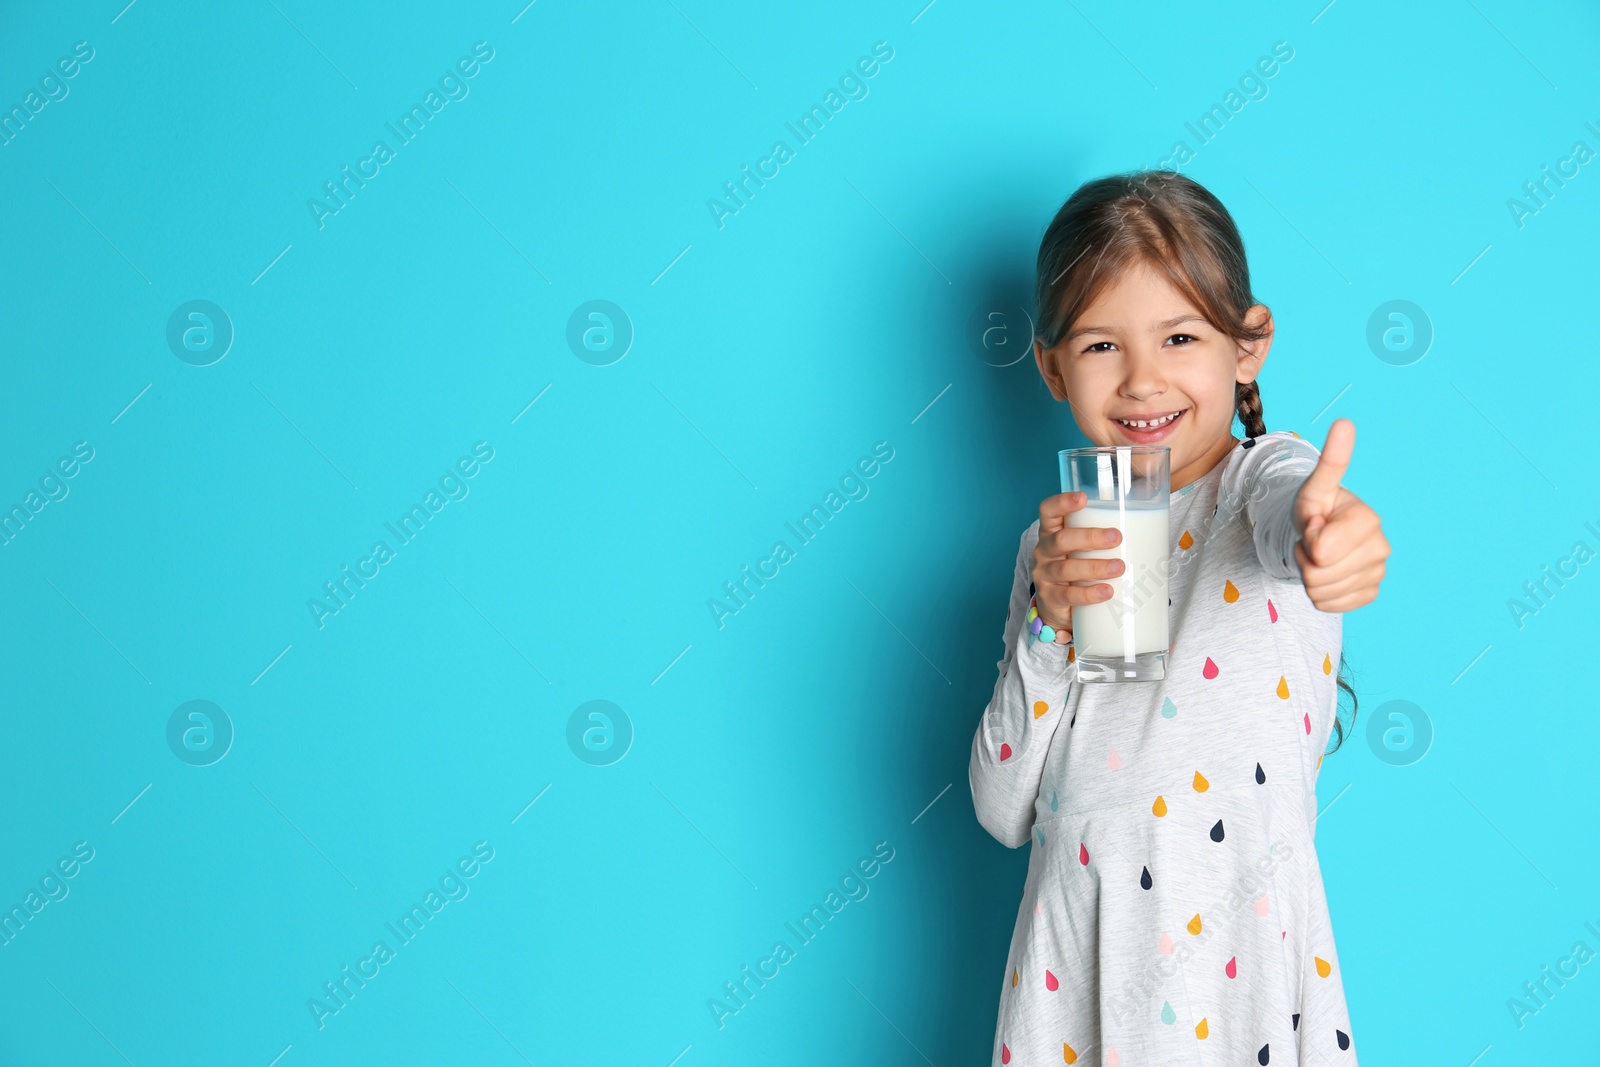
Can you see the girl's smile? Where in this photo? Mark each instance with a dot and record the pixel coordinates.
(1149, 429)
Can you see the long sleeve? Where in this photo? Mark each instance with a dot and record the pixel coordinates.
(1271, 475)
(1013, 739)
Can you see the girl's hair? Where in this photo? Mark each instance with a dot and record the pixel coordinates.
(1175, 226)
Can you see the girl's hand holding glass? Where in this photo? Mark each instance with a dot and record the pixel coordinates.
(1057, 574)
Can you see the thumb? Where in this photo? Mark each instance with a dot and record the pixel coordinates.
(1320, 491)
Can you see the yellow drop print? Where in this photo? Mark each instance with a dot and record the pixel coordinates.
(1068, 1054)
(1194, 925)
(1072, 653)
(1319, 763)
(1283, 691)
(1159, 808)
(1324, 968)
(1039, 708)
(1013, 979)
(1186, 541)
(1202, 1030)
(1230, 592)
(1200, 783)
(1327, 664)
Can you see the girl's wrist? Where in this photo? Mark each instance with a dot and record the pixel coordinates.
(1041, 630)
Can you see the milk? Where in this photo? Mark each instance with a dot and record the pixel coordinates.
(1134, 619)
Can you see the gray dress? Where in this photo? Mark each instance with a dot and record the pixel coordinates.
(1174, 911)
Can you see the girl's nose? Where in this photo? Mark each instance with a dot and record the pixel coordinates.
(1145, 377)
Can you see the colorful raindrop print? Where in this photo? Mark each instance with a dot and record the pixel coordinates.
(1324, 968)
(1039, 709)
(1168, 1016)
(1144, 879)
(1216, 832)
(1272, 612)
(1343, 1039)
(1186, 541)
(1168, 708)
(1083, 854)
(1194, 925)
(1200, 783)
(1159, 808)
(1264, 1057)
(1068, 1053)
(1005, 752)
(1210, 670)
(1232, 969)
(1283, 687)
(1230, 592)
(1050, 981)
(1114, 761)
(1261, 775)
(1201, 1030)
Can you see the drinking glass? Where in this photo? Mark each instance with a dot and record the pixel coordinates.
(1123, 638)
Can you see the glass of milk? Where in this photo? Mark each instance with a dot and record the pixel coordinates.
(1124, 638)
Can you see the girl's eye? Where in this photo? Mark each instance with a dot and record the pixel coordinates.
(1186, 337)
(1096, 346)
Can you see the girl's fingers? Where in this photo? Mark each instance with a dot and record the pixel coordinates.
(1071, 539)
(1367, 578)
(1061, 571)
(1348, 532)
(1349, 603)
(1367, 551)
(1053, 510)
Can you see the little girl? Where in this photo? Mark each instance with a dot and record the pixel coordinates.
(1174, 910)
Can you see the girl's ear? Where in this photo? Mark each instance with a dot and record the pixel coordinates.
(1048, 369)
(1252, 354)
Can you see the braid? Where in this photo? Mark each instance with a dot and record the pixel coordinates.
(1247, 400)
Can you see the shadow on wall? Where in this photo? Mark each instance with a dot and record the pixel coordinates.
(1012, 434)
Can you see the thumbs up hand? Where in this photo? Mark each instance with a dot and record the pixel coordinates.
(1342, 549)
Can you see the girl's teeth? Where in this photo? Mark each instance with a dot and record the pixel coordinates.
(1151, 424)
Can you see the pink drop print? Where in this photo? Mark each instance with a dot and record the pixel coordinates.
(1113, 1058)
(1232, 969)
(1114, 761)
(1083, 854)
(1308, 724)
(1050, 982)
(1005, 1053)
(1272, 612)
(1166, 944)
(1005, 752)
(1210, 670)
(1263, 906)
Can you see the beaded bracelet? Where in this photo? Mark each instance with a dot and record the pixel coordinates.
(1037, 626)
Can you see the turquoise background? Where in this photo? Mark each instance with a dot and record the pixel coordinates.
(834, 311)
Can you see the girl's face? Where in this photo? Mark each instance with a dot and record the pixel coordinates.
(1142, 352)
